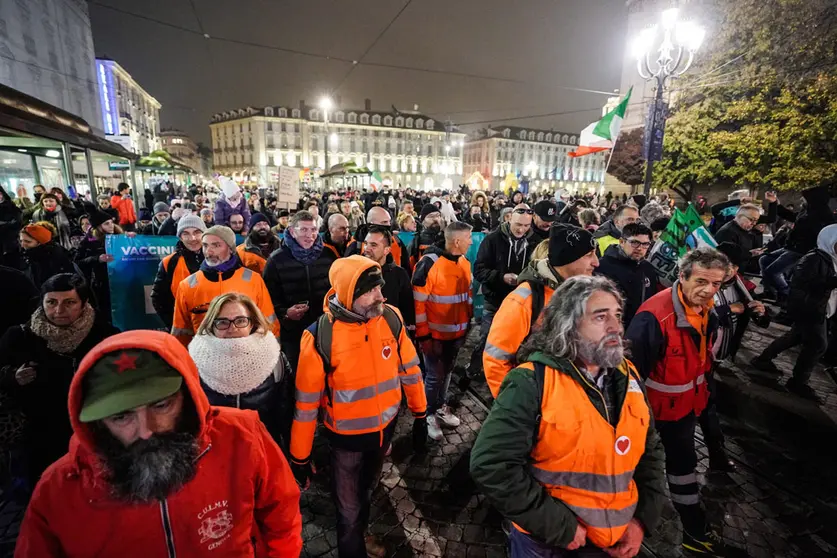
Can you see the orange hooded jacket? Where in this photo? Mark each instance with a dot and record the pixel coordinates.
(361, 394)
(243, 487)
(442, 293)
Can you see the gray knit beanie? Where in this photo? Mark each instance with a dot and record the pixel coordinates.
(190, 222)
(224, 233)
(161, 207)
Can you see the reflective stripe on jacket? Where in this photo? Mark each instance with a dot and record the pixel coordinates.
(583, 461)
(361, 394)
(509, 329)
(180, 272)
(195, 293)
(442, 293)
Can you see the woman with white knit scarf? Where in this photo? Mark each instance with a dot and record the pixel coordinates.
(241, 363)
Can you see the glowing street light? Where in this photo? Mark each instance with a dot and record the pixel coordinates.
(326, 104)
(678, 43)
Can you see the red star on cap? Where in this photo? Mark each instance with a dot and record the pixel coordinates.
(125, 362)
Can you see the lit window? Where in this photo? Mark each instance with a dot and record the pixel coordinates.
(364, 119)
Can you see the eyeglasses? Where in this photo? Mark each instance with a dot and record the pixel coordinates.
(639, 244)
(225, 323)
(522, 211)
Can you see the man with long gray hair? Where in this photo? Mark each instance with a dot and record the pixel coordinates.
(569, 452)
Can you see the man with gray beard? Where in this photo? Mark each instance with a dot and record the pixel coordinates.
(569, 452)
(154, 470)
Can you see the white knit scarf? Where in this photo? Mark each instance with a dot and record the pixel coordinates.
(234, 366)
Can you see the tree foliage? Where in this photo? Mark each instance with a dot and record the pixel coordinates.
(760, 110)
(627, 164)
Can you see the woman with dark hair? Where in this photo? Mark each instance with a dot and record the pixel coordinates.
(42, 257)
(50, 210)
(10, 216)
(93, 260)
(68, 206)
(38, 360)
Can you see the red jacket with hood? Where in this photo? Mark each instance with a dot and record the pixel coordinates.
(243, 488)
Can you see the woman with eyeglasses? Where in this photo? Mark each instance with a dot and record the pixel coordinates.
(241, 363)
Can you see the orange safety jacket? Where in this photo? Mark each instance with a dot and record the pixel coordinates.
(361, 392)
(250, 260)
(195, 293)
(511, 326)
(442, 294)
(583, 461)
(125, 208)
(181, 272)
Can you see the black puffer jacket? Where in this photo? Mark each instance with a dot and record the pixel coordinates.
(95, 271)
(10, 216)
(495, 259)
(809, 222)
(637, 280)
(813, 280)
(46, 260)
(290, 282)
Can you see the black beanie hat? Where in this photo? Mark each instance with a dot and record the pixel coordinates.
(427, 209)
(283, 213)
(257, 218)
(98, 217)
(568, 243)
(369, 279)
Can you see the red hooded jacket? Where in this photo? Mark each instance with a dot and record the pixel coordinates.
(243, 488)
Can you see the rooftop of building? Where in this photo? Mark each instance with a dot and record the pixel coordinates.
(525, 134)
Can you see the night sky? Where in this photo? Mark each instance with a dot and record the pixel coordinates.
(541, 45)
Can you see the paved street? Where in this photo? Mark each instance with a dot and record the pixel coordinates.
(782, 502)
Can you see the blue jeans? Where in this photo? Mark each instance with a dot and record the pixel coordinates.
(522, 545)
(439, 364)
(774, 266)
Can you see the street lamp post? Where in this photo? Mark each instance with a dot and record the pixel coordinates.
(325, 105)
(680, 42)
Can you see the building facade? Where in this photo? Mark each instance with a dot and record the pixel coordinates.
(179, 145)
(130, 116)
(407, 147)
(46, 51)
(539, 156)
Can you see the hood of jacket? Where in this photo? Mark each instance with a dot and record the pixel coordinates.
(608, 229)
(343, 276)
(168, 347)
(827, 239)
(539, 271)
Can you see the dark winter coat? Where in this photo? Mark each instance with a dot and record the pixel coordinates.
(811, 284)
(45, 260)
(732, 232)
(495, 259)
(480, 222)
(153, 228)
(95, 271)
(161, 296)
(18, 298)
(10, 222)
(638, 281)
(162, 193)
(61, 221)
(809, 222)
(44, 401)
(398, 290)
(290, 282)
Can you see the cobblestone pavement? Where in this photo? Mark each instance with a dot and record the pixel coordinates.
(782, 501)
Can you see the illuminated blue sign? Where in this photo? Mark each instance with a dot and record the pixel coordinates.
(107, 95)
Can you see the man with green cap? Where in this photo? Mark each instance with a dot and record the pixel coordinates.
(149, 451)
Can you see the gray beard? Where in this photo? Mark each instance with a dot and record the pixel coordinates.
(148, 470)
(600, 354)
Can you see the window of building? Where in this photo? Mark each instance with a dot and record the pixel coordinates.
(296, 128)
(352, 118)
(506, 133)
(268, 111)
(376, 119)
(409, 122)
(270, 141)
(339, 116)
(419, 123)
(270, 126)
(387, 121)
(430, 124)
(283, 112)
(399, 121)
(572, 140)
(295, 113)
(364, 119)
(314, 114)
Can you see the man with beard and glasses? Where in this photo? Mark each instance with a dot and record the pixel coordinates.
(378, 216)
(259, 244)
(354, 362)
(671, 343)
(221, 272)
(149, 470)
(569, 452)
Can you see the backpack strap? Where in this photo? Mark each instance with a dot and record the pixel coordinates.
(322, 340)
(538, 296)
(540, 378)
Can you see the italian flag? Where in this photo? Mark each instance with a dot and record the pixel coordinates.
(601, 135)
(375, 181)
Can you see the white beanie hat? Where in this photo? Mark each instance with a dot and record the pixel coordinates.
(190, 222)
(228, 186)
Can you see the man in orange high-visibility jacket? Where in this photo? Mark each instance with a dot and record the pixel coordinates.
(444, 307)
(186, 260)
(259, 244)
(569, 452)
(221, 272)
(354, 362)
(572, 251)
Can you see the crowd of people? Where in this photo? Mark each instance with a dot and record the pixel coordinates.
(321, 313)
